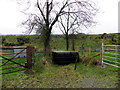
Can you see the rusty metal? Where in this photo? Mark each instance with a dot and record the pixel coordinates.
(30, 51)
(28, 64)
(12, 61)
(11, 58)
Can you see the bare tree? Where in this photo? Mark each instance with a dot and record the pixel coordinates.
(43, 21)
(46, 14)
(77, 18)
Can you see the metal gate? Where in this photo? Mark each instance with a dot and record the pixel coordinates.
(111, 55)
(12, 63)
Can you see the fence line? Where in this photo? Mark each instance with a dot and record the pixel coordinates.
(110, 57)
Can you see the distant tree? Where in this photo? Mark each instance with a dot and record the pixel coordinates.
(76, 19)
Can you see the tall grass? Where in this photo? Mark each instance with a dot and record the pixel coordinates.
(38, 62)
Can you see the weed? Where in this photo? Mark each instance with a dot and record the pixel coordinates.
(89, 60)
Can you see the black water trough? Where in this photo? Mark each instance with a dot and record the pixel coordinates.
(65, 57)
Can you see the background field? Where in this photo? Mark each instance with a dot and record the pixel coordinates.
(58, 41)
(87, 75)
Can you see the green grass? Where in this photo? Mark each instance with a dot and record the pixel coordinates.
(64, 77)
(10, 65)
(56, 76)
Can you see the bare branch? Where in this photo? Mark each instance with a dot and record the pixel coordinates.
(57, 15)
(51, 6)
(61, 22)
(61, 29)
(41, 11)
(73, 23)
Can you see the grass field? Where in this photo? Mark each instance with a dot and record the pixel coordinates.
(64, 77)
(56, 76)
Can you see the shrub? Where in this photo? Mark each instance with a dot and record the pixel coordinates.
(22, 40)
(89, 60)
(9, 44)
(3, 40)
(38, 63)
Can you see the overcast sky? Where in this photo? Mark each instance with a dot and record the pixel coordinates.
(107, 19)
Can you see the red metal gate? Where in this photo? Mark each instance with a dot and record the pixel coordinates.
(28, 63)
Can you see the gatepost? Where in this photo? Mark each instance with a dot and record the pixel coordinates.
(29, 53)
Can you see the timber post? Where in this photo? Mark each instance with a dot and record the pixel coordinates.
(29, 53)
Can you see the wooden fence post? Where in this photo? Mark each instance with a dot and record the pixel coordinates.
(89, 50)
(29, 53)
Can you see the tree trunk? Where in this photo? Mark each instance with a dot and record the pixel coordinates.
(47, 43)
(67, 42)
(73, 46)
(82, 48)
(47, 32)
